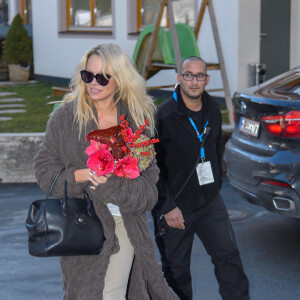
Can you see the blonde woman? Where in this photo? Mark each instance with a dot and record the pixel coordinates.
(104, 87)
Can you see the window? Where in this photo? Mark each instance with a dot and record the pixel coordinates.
(184, 12)
(89, 15)
(3, 12)
(26, 11)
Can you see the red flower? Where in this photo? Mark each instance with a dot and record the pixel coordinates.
(101, 161)
(119, 150)
(95, 146)
(127, 167)
(112, 137)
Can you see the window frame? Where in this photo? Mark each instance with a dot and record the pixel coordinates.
(139, 24)
(23, 15)
(87, 29)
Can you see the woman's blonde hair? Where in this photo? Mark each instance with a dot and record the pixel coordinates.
(131, 87)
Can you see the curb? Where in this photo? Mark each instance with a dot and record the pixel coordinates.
(17, 151)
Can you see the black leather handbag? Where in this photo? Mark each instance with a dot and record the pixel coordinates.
(63, 227)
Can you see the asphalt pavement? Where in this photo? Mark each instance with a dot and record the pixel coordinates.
(269, 245)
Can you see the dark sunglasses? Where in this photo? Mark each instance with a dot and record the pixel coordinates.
(87, 77)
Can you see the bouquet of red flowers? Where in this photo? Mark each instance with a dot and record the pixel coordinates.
(119, 151)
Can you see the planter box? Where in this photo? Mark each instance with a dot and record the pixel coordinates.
(18, 73)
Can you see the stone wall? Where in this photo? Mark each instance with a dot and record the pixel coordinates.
(16, 156)
(17, 151)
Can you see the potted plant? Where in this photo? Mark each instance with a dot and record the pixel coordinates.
(17, 51)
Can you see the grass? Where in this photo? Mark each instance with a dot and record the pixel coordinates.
(36, 97)
(225, 115)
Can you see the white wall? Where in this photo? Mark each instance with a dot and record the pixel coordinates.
(226, 13)
(248, 39)
(295, 34)
(227, 21)
(239, 29)
(13, 9)
(58, 54)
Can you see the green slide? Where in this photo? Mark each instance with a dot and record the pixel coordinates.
(187, 42)
(163, 51)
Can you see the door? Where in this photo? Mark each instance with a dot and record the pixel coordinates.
(275, 36)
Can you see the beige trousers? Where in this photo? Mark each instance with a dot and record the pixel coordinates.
(117, 274)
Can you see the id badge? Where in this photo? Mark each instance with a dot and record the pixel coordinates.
(205, 174)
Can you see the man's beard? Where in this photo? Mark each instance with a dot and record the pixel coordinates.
(192, 96)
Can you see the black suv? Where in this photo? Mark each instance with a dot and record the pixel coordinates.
(263, 153)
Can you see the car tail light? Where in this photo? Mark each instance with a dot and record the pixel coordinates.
(287, 125)
(276, 183)
(234, 115)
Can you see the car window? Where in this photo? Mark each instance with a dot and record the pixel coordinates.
(288, 82)
(297, 91)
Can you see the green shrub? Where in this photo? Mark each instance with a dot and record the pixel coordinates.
(18, 47)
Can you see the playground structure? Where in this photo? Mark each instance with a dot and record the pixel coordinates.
(160, 48)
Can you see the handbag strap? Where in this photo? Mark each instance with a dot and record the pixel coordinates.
(86, 198)
(53, 183)
(65, 199)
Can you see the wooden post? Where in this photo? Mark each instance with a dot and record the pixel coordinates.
(153, 39)
(174, 35)
(200, 17)
(221, 61)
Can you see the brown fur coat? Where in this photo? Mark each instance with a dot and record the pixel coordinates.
(83, 276)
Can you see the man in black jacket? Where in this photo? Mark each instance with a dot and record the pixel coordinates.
(189, 156)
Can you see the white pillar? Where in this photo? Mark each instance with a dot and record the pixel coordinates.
(295, 34)
(248, 39)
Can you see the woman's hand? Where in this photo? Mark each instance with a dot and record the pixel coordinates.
(82, 175)
(96, 180)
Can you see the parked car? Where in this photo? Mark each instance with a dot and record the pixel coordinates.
(263, 154)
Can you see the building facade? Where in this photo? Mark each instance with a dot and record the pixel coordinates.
(62, 31)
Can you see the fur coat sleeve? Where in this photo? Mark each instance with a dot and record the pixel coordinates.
(60, 150)
(131, 195)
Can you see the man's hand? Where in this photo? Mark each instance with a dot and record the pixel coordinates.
(175, 219)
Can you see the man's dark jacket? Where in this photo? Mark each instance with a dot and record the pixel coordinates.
(178, 151)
